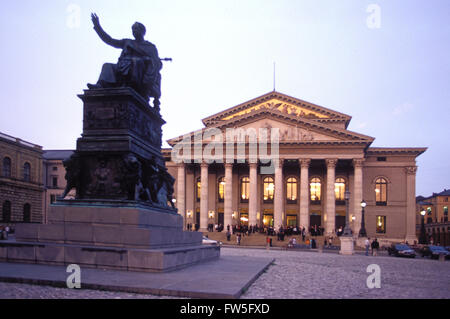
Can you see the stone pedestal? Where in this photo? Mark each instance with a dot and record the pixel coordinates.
(123, 217)
(346, 246)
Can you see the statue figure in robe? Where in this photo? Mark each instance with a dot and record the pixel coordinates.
(138, 67)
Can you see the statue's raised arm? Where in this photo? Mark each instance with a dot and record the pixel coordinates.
(138, 67)
(103, 35)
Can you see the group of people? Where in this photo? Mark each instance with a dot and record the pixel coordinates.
(4, 232)
(375, 245)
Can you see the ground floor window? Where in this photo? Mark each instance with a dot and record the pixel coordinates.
(291, 220)
(27, 213)
(381, 224)
(6, 211)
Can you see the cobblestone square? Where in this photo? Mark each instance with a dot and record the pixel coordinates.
(300, 275)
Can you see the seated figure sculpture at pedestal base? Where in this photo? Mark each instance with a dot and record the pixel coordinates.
(138, 67)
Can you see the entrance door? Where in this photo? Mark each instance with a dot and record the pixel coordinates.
(268, 220)
(315, 220)
(340, 222)
(221, 219)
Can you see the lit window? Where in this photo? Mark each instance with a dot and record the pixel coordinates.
(6, 172)
(339, 189)
(429, 211)
(315, 189)
(269, 188)
(245, 189)
(381, 191)
(291, 189)
(381, 224)
(27, 172)
(199, 189)
(221, 189)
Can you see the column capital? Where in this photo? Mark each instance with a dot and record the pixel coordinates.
(278, 162)
(304, 162)
(204, 164)
(181, 165)
(331, 162)
(411, 170)
(228, 165)
(358, 162)
(253, 164)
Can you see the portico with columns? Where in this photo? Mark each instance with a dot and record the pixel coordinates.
(314, 161)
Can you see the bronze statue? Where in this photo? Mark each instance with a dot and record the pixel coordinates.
(138, 67)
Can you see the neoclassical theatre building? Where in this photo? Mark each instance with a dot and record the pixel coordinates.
(318, 160)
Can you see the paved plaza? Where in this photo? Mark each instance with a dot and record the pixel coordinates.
(302, 274)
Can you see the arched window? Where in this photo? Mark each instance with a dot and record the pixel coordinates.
(291, 190)
(315, 189)
(27, 213)
(221, 190)
(6, 211)
(198, 189)
(381, 191)
(339, 189)
(26, 172)
(6, 171)
(245, 189)
(269, 188)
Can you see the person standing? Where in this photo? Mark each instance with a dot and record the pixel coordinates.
(367, 245)
(375, 246)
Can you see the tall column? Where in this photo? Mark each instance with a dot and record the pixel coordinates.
(357, 193)
(253, 200)
(330, 208)
(411, 204)
(181, 191)
(304, 193)
(204, 197)
(278, 195)
(228, 200)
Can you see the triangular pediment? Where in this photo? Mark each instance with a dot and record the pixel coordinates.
(297, 121)
(282, 103)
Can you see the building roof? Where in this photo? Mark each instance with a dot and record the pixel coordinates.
(12, 139)
(57, 154)
(445, 192)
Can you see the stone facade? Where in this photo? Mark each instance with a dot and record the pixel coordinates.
(318, 160)
(21, 187)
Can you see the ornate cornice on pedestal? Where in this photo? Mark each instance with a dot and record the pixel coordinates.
(411, 170)
(304, 162)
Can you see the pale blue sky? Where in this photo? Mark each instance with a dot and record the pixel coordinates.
(393, 80)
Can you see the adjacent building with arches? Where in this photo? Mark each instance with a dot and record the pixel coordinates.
(21, 187)
(318, 161)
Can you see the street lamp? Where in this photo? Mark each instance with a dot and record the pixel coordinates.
(347, 229)
(423, 237)
(362, 231)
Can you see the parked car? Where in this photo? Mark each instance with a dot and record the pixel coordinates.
(207, 241)
(434, 251)
(401, 250)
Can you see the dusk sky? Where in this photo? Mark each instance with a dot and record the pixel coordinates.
(385, 63)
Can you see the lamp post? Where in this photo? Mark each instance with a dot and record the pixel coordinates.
(347, 245)
(347, 229)
(362, 231)
(423, 237)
